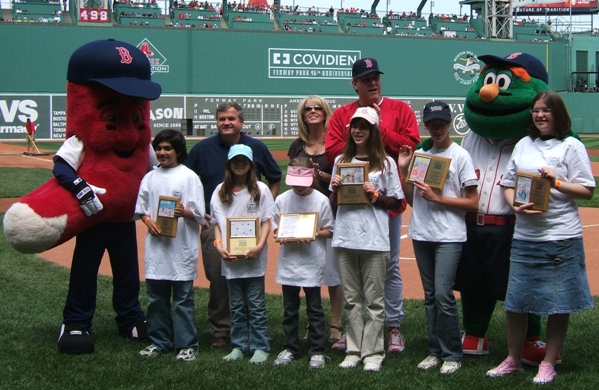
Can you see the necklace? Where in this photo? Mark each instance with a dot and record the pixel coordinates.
(315, 149)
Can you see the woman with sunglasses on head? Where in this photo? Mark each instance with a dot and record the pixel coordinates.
(313, 115)
(547, 262)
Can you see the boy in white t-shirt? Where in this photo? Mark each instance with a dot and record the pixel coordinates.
(170, 262)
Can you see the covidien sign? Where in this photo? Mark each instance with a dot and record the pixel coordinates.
(311, 63)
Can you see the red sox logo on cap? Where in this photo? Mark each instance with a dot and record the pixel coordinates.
(513, 56)
(125, 56)
(368, 63)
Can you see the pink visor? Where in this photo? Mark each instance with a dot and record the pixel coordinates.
(299, 176)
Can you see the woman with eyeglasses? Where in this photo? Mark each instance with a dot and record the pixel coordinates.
(313, 115)
(547, 262)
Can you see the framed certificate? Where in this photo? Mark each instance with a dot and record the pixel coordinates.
(351, 190)
(429, 169)
(165, 218)
(295, 227)
(242, 234)
(532, 189)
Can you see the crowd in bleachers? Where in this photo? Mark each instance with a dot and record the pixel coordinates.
(141, 15)
(306, 19)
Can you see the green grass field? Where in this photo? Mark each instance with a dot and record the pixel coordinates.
(32, 293)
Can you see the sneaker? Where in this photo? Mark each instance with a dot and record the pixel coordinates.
(533, 353)
(284, 358)
(235, 354)
(317, 361)
(472, 345)
(151, 350)
(506, 367)
(372, 366)
(340, 345)
(430, 362)
(545, 375)
(397, 343)
(186, 355)
(259, 357)
(350, 361)
(450, 367)
(74, 340)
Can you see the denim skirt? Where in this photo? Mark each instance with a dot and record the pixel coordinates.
(548, 278)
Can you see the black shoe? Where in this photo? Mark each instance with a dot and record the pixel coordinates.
(74, 340)
(138, 333)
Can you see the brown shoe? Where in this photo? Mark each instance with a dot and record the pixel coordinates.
(219, 342)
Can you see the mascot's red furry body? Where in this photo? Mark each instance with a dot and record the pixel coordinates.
(114, 159)
(97, 176)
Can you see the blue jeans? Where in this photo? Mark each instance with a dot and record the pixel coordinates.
(249, 324)
(393, 282)
(176, 332)
(438, 263)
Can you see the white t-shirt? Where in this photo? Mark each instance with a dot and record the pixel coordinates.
(490, 158)
(439, 223)
(172, 258)
(303, 264)
(570, 162)
(243, 206)
(366, 227)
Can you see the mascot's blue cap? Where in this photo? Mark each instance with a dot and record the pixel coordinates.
(531, 64)
(117, 65)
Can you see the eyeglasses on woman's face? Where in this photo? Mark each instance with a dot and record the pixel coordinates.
(537, 111)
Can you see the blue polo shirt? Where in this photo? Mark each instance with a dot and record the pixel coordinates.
(208, 157)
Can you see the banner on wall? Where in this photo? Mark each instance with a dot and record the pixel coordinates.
(265, 116)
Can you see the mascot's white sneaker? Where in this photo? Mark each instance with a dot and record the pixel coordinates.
(74, 340)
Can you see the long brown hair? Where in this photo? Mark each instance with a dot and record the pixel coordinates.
(226, 193)
(559, 112)
(377, 157)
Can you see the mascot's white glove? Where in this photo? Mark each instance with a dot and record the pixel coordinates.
(86, 196)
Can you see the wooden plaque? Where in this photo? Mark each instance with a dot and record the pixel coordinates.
(532, 189)
(165, 218)
(429, 169)
(351, 190)
(242, 234)
(298, 226)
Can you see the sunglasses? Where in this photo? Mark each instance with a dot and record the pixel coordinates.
(310, 108)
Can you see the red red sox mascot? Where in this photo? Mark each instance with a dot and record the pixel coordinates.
(97, 172)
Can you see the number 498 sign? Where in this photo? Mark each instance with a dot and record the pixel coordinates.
(93, 15)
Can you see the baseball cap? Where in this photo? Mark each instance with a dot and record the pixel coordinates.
(367, 113)
(530, 63)
(364, 66)
(117, 65)
(436, 110)
(241, 150)
(299, 176)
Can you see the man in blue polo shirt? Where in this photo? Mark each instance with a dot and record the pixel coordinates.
(207, 158)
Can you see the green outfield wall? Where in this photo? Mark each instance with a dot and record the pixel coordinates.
(267, 72)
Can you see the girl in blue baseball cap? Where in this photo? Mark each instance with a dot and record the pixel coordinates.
(242, 210)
